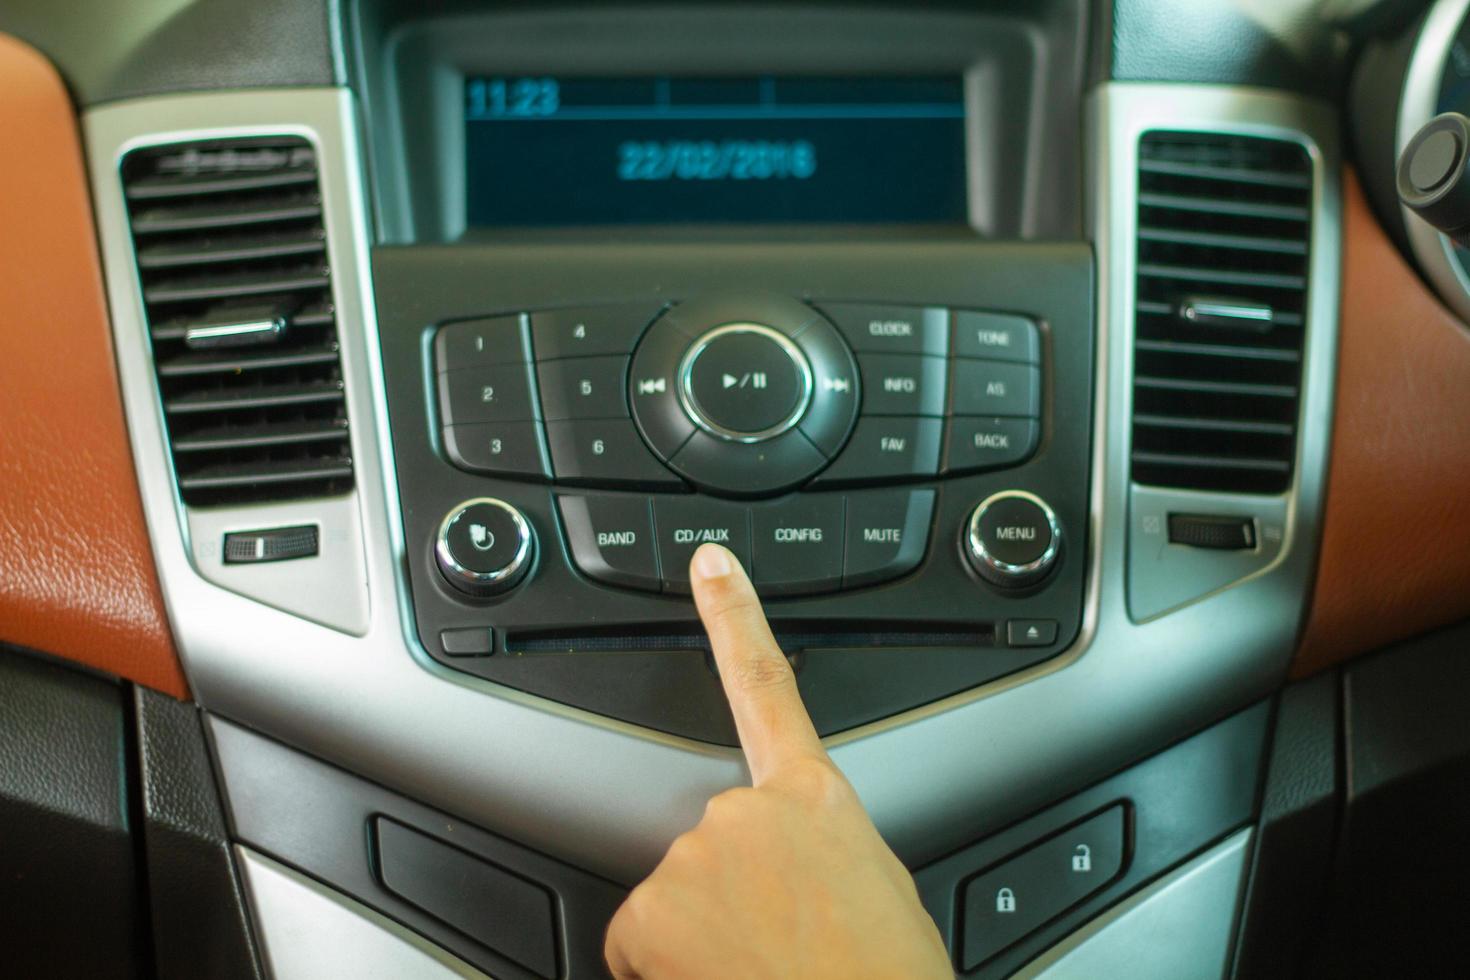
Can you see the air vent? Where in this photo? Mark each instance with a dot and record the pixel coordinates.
(1223, 231)
(233, 264)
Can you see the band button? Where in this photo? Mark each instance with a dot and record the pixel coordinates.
(612, 539)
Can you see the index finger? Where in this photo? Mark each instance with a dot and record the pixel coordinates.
(772, 722)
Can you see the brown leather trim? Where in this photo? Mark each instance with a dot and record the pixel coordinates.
(1396, 538)
(76, 570)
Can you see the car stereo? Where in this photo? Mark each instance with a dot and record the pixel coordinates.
(892, 438)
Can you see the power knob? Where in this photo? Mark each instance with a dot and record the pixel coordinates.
(1013, 539)
(484, 547)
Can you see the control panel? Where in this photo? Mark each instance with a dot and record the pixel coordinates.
(904, 477)
(743, 397)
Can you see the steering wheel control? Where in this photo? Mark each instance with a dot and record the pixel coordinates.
(837, 442)
(484, 547)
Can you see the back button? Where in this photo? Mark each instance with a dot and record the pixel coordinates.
(612, 539)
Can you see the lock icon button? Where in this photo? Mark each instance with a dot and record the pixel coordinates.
(1005, 900)
(1082, 859)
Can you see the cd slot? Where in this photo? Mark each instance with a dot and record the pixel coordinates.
(793, 637)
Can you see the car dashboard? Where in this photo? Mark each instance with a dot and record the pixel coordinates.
(1011, 347)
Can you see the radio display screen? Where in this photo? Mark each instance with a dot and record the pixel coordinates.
(544, 151)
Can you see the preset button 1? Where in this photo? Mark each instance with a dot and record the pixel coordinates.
(612, 539)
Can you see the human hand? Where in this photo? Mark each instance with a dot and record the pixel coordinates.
(787, 878)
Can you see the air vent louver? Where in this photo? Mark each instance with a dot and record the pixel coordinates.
(233, 264)
(1223, 232)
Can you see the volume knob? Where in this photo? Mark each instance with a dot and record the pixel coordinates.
(1013, 539)
(484, 547)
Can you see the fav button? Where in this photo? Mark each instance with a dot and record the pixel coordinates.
(682, 524)
(887, 534)
(612, 539)
(883, 448)
(797, 545)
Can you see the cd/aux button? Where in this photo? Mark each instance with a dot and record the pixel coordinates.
(682, 524)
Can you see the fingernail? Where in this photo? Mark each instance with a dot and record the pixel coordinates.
(713, 561)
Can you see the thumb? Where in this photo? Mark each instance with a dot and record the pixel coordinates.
(773, 724)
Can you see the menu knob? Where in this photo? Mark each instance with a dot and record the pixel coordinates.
(1013, 539)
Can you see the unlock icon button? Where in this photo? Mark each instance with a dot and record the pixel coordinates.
(1082, 858)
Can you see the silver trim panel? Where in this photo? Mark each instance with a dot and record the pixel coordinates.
(610, 797)
(1164, 576)
(1181, 927)
(310, 932)
(1417, 105)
